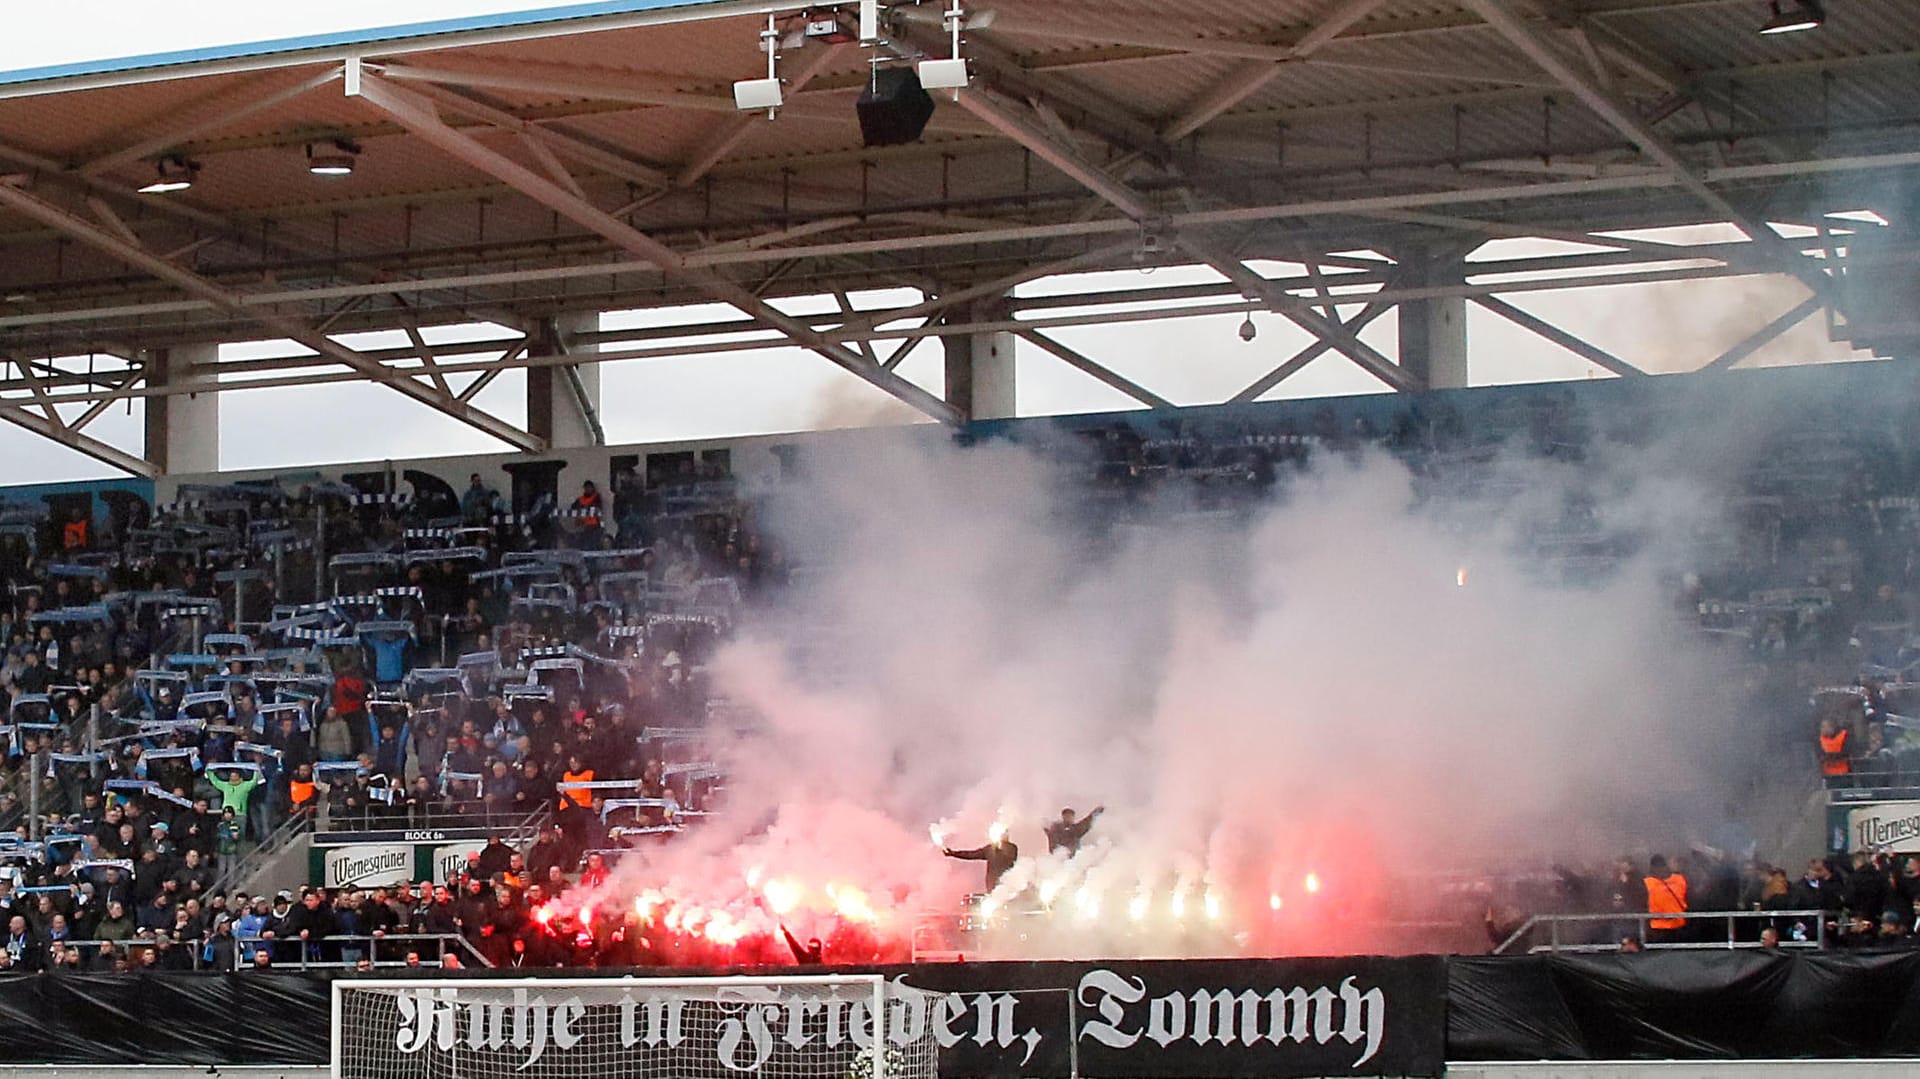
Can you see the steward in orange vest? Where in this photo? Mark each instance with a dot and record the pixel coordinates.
(301, 792)
(576, 773)
(1666, 894)
(1833, 749)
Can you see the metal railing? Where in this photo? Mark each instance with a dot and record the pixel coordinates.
(372, 948)
(464, 814)
(1553, 922)
(243, 868)
(384, 950)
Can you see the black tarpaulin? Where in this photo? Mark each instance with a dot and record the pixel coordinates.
(243, 1018)
(1684, 1005)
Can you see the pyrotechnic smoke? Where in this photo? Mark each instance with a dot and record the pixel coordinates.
(1288, 713)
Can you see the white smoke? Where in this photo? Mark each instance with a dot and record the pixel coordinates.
(1286, 712)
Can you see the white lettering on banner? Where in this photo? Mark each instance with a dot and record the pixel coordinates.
(756, 1021)
(451, 860)
(1222, 1017)
(368, 866)
(1884, 828)
(758, 1017)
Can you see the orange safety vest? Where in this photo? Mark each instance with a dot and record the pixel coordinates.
(302, 793)
(589, 510)
(581, 798)
(1833, 753)
(1666, 896)
(74, 535)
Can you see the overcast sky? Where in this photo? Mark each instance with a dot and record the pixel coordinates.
(1662, 328)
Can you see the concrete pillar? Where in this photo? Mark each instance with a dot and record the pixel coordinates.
(1433, 331)
(981, 372)
(563, 403)
(183, 430)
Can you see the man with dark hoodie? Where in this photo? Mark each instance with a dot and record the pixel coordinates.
(309, 923)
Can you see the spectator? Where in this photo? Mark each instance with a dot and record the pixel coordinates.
(115, 925)
(25, 951)
(255, 925)
(494, 858)
(334, 739)
(1815, 891)
(477, 502)
(308, 924)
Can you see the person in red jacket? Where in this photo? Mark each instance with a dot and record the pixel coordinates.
(350, 701)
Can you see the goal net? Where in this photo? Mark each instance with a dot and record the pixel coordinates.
(797, 1027)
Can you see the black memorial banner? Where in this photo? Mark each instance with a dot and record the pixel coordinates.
(1135, 1020)
(1190, 1019)
(1142, 1020)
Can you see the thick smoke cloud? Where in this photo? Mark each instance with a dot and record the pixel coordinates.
(1289, 711)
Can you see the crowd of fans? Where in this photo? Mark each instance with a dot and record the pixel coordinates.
(1862, 900)
(253, 661)
(257, 659)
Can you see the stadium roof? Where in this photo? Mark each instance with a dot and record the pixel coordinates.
(511, 24)
(590, 156)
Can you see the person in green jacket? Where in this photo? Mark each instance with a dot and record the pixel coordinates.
(117, 925)
(230, 830)
(236, 789)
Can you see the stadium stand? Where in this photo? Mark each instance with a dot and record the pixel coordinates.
(443, 661)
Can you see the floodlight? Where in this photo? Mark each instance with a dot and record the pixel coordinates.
(172, 173)
(1803, 15)
(334, 158)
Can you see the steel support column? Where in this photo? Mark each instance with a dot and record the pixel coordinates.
(981, 366)
(563, 402)
(183, 429)
(1433, 330)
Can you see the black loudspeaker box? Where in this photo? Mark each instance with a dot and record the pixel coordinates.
(895, 110)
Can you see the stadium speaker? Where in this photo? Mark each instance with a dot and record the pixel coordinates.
(895, 110)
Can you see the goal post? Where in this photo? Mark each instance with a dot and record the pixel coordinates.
(819, 1026)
